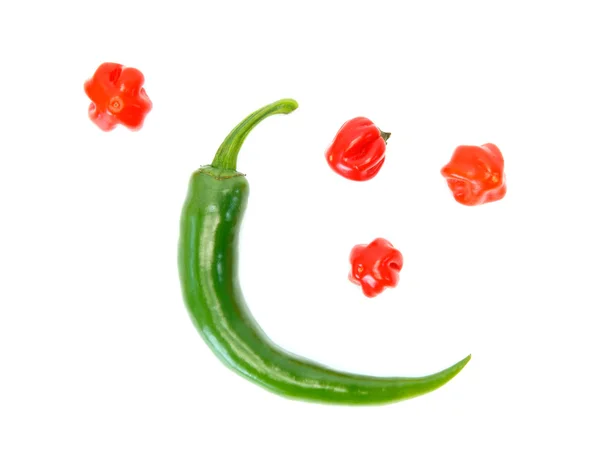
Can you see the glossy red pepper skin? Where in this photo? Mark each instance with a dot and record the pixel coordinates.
(358, 150)
(117, 97)
(375, 266)
(475, 175)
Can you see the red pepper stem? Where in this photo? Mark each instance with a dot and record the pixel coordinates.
(385, 135)
(226, 156)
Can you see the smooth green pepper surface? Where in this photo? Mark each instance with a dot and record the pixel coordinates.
(208, 254)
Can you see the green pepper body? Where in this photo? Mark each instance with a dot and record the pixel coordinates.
(208, 255)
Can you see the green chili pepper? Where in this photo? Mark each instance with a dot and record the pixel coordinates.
(208, 265)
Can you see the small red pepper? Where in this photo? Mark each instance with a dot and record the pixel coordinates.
(375, 266)
(117, 97)
(475, 174)
(358, 150)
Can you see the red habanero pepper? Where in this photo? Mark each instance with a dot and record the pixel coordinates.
(358, 150)
(117, 97)
(375, 266)
(475, 175)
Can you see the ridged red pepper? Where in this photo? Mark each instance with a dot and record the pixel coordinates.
(375, 266)
(117, 97)
(358, 150)
(475, 175)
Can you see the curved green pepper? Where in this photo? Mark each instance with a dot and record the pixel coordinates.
(208, 265)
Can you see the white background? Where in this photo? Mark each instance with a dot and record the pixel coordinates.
(98, 358)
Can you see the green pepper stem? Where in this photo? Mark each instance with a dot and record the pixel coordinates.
(226, 156)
